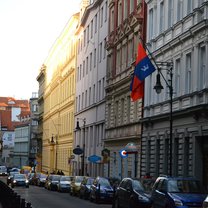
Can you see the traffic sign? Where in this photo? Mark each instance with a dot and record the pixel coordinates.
(123, 153)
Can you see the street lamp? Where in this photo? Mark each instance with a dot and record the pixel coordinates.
(53, 141)
(83, 154)
(158, 88)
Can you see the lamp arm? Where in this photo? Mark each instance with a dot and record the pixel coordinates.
(171, 76)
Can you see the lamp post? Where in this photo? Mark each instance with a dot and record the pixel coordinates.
(83, 154)
(158, 88)
(53, 142)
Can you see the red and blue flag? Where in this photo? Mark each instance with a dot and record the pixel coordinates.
(143, 69)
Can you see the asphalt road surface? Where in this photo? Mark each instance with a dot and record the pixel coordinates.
(39, 197)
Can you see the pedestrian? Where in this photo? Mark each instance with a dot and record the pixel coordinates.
(61, 173)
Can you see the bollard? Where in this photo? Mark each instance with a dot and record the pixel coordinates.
(17, 201)
(22, 203)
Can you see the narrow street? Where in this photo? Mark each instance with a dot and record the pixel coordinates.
(39, 197)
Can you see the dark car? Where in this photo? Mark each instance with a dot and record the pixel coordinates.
(41, 179)
(85, 187)
(10, 176)
(101, 190)
(177, 192)
(52, 181)
(75, 185)
(64, 184)
(131, 193)
(19, 180)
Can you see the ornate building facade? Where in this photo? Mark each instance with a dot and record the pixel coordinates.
(90, 87)
(59, 97)
(177, 33)
(126, 25)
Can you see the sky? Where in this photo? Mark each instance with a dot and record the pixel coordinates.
(28, 29)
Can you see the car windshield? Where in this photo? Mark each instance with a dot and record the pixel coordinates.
(104, 182)
(19, 176)
(43, 176)
(184, 186)
(65, 178)
(79, 179)
(13, 173)
(137, 186)
(56, 178)
(90, 181)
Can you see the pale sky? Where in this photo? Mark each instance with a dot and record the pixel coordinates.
(28, 29)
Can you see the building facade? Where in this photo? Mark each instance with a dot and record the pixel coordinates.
(41, 81)
(126, 25)
(58, 100)
(90, 87)
(177, 33)
(10, 111)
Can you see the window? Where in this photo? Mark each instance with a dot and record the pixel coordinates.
(101, 17)
(131, 6)
(95, 23)
(83, 68)
(119, 12)
(91, 26)
(99, 90)
(90, 61)
(94, 98)
(177, 76)
(109, 115)
(88, 34)
(161, 16)
(90, 96)
(106, 11)
(179, 9)
(128, 107)
(112, 21)
(150, 23)
(100, 56)
(104, 50)
(84, 37)
(77, 74)
(122, 111)
(95, 57)
(80, 75)
(103, 88)
(188, 74)
(170, 13)
(202, 67)
(125, 12)
(34, 108)
(82, 100)
(87, 65)
(189, 6)
(85, 98)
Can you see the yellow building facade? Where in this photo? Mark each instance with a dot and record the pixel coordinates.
(59, 98)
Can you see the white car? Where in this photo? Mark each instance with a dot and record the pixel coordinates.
(3, 171)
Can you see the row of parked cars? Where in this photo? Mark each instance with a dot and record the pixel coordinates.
(164, 192)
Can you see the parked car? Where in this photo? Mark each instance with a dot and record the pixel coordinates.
(64, 184)
(75, 185)
(19, 180)
(205, 203)
(101, 190)
(85, 187)
(3, 170)
(52, 181)
(10, 176)
(177, 192)
(41, 179)
(131, 193)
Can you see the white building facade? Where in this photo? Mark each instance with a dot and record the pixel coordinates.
(90, 87)
(177, 32)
